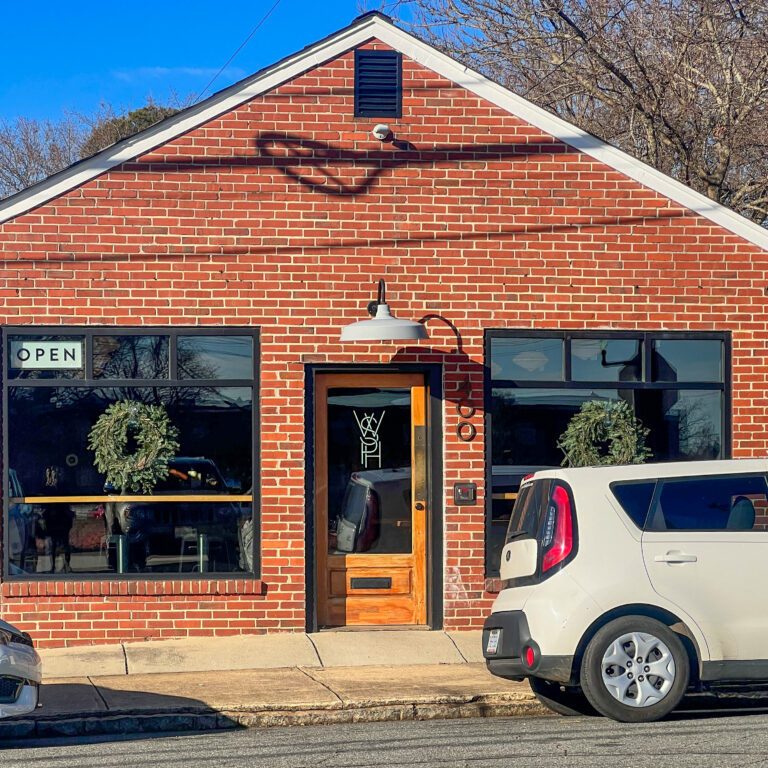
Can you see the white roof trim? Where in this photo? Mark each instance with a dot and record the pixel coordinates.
(337, 44)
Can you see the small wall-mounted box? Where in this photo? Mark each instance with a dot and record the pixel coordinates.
(464, 494)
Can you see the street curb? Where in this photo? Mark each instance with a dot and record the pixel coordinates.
(123, 723)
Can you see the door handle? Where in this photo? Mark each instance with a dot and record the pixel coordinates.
(675, 557)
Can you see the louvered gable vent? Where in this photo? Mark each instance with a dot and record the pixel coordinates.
(378, 84)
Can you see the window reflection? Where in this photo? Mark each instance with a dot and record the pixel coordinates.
(606, 360)
(687, 360)
(50, 459)
(369, 471)
(130, 357)
(684, 424)
(215, 357)
(527, 422)
(529, 415)
(527, 359)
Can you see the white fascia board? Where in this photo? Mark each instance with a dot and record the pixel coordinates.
(423, 53)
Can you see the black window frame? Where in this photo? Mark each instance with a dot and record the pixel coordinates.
(646, 339)
(88, 380)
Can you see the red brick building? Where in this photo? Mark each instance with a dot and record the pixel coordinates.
(206, 268)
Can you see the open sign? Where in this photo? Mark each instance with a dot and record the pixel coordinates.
(45, 355)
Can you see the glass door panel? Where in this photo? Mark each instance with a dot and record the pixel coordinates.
(369, 471)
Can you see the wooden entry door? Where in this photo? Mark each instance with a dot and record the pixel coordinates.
(371, 498)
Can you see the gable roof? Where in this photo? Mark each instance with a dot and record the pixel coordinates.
(361, 30)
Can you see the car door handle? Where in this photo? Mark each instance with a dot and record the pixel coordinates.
(675, 557)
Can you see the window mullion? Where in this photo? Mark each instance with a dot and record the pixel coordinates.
(89, 357)
(173, 357)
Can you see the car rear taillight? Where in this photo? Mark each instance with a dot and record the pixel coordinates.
(557, 536)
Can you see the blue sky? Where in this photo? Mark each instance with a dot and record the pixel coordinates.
(72, 56)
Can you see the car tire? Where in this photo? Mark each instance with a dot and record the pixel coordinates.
(565, 700)
(635, 670)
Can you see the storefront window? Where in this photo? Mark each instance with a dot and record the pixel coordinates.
(215, 357)
(687, 360)
(184, 503)
(606, 360)
(675, 383)
(130, 357)
(527, 359)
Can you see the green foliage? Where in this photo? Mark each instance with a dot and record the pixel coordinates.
(604, 432)
(111, 129)
(156, 444)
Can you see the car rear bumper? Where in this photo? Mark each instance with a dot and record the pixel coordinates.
(516, 647)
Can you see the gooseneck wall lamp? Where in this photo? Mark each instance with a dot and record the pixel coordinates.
(383, 326)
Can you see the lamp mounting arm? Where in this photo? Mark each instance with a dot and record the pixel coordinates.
(381, 298)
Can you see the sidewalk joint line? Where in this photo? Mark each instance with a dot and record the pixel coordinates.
(125, 657)
(317, 653)
(98, 693)
(320, 682)
(456, 647)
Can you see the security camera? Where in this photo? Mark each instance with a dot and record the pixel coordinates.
(382, 132)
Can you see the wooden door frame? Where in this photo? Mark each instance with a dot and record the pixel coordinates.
(434, 576)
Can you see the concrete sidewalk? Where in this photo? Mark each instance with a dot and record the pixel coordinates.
(267, 680)
(320, 649)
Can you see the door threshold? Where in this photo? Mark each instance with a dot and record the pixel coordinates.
(377, 628)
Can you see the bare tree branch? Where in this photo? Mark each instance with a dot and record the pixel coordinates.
(31, 150)
(680, 84)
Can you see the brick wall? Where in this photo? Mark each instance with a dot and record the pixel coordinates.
(283, 214)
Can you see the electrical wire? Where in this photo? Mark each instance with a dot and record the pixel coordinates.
(243, 44)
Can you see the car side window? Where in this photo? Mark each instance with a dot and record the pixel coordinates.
(635, 498)
(717, 503)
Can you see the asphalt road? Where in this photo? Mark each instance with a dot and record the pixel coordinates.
(704, 740)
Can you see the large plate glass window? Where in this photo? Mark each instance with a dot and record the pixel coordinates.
(195, 517)
(676, 383)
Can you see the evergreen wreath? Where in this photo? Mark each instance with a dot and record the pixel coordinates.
(156, 441)
(604, 432)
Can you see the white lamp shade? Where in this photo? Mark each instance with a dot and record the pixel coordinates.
(384, 327)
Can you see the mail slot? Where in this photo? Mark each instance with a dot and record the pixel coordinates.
(368, 582)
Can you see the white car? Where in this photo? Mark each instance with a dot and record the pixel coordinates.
(622, 587)
(20, 672)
